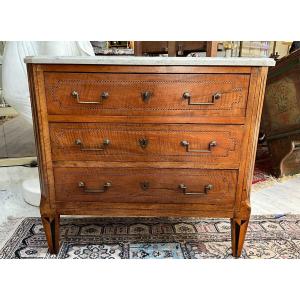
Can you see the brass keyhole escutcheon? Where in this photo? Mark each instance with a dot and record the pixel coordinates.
(144, 185)
(146, 96)
(104, 95)
(143, 142)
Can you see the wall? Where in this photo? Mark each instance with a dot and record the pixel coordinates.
(282, 47)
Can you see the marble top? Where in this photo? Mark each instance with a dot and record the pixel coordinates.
(151, 61)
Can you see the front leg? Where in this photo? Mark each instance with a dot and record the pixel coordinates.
(238, 233)
(51, 228)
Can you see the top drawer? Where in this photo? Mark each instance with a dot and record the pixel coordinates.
(147, 94)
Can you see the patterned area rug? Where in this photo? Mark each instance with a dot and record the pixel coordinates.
(144, 238)
(262, 176)
(263, 166)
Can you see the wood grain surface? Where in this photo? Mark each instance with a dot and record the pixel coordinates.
(145, 149)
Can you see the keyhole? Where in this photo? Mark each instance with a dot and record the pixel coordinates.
(143, 142)
(144, 185)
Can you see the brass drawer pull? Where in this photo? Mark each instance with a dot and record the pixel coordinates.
(187, 96)
(103, 96)
(106, 186)
(186, 144)
(146, 96)
(296, 145)
(105, 143)
(207, 188)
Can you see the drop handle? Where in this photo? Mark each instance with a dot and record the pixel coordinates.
(103, 96)
(184, 188)
(214, 97)
(102, 147)
(106, 186)
(211, 145)
(296, 145)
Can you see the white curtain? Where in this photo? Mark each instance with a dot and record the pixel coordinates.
(14, 74)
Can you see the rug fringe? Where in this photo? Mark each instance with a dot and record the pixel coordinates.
(286, 178)
(272, 181)
(264, 184)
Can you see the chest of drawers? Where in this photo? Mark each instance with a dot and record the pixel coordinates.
(146, 137)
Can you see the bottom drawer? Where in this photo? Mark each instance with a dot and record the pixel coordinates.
(209, 188)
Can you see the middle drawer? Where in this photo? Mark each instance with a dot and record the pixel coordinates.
(211, 144)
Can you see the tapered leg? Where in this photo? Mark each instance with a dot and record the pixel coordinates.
(238, 233)
(51, 228)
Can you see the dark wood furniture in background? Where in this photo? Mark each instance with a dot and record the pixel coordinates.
(174, 48)
(146, 140)
(281, 115)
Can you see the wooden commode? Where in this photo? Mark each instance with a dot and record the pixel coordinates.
(146, 136)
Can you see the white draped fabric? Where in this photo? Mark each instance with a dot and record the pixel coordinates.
(14, 74)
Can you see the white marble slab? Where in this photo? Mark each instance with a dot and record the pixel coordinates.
(151, 61)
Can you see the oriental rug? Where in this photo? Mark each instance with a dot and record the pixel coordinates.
(155, 238)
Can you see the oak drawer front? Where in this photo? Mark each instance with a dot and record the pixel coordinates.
(129, 185)
(152, 142)
(147, 94)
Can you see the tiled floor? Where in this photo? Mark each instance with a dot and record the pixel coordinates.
(281, 198)
(11, 201)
